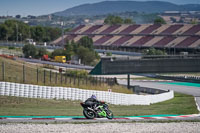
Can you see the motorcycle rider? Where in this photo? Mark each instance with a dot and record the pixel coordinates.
(92, 101)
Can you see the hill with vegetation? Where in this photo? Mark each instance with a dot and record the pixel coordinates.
(124, 6)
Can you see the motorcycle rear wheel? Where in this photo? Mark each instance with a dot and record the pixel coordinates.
(89, 114)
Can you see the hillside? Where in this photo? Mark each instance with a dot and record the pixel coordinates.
(124, 6)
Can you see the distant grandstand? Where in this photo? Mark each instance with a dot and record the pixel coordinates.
(180, 37)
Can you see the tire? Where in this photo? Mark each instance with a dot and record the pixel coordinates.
(109, 114)
(89, 114)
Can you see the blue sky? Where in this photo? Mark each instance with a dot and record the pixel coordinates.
(41, 7)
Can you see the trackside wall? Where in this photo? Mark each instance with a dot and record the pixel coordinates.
(47, 92)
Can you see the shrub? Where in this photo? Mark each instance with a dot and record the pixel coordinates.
(77, 73)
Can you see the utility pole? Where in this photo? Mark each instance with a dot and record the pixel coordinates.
(62, 25)
(17, 32)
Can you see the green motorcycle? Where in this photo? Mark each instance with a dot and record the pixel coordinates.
(100, 111)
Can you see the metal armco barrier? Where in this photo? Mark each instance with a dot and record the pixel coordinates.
(47, 92)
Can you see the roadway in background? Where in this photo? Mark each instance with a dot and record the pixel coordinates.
(190, 90)
(57, 64)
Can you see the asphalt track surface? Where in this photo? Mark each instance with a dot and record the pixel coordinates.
(190, 90)
(74, 119)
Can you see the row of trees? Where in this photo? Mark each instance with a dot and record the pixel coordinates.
(34, 52)
(13, 30)
(113, 20)
(83, 50)
(153, 51)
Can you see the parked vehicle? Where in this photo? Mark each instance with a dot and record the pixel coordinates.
(61, 59)
(46, 58)
(100, 111)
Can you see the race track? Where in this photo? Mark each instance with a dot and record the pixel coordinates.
(190, 89)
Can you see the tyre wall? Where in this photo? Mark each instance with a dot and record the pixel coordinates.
(47, 92)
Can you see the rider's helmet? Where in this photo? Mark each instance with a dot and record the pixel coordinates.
(93, 96)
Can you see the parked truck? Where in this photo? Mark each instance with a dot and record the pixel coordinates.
(46, 58)
(60, 59)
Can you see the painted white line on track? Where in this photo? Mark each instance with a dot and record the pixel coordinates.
(63, 118)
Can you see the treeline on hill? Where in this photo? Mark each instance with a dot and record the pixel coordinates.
(13, 30)
(113, 20)
(83, 50)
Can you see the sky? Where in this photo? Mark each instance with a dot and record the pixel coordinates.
(43, 7)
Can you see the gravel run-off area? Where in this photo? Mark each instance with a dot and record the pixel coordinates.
(182, 127)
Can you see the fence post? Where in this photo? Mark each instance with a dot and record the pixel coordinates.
(24, 76)
(106, 80)
(70, 79)
(96, 80)
(3, 71)
(86, 80)
(93, 81)
(128, 81)
(37, 75)
(56, 78)
(44, 76)
(61, 77)
(103, 81)
(65, 79)
(74, 80)
(78, 80)
(100, 81)
(50, 77)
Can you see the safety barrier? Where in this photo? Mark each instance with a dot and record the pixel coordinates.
(48, 92)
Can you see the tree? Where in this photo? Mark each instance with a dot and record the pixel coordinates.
(17, 29)
(68, 51)
(159, 21)
(29, 50)
(52, 33)
(86, 42)
(18, 16)
(128, 21)
(40, 52)
(14, 30)
(113, 20)
(86, 56)
(38, 33)
(194, 21)
(3, 32)
(57, 52)
(153, 51)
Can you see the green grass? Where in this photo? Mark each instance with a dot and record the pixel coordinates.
(14, 73)
(181, 104)
(16, 106)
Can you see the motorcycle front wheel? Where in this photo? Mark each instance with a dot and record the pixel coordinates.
(109, 114)
(89, 114)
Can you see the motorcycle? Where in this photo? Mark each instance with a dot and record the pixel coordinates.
(100, 111)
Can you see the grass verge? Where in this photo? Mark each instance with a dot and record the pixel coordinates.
(16, 106)
(14, 73)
